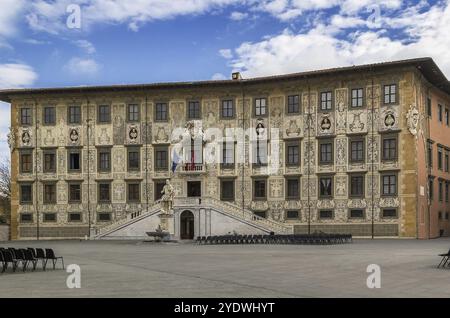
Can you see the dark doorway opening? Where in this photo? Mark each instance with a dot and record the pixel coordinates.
(194, 189)
(187, 225)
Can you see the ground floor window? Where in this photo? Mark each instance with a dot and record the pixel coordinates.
(227, 190)
(389, 213)
(104, 217)
(356, 213)
(26, 217)
(74, 217)
(261, 214)
(325, 214)
(49, 217)
(292, 214)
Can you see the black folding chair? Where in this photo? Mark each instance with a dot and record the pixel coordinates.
(29, 258)
(445, 259)
(2, 260)
(8, 257)
(50, 255)
(40, 255)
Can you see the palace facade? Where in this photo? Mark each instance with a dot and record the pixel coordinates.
(361, 150)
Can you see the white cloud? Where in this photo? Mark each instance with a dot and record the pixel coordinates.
(226, 53)
(218, 77)
(425, 33)
(16, 75)
(87, 46)
(238, 16)
(79, 66)
(9, 13)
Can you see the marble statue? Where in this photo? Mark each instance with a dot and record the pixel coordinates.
(168, 194)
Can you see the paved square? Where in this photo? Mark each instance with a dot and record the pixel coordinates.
(139, 269)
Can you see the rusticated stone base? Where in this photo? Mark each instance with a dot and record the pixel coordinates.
(354, 229)
(56, 232)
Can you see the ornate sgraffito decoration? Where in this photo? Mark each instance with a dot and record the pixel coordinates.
(11, 139)
(49, 139)
(276, 211)
(104, 138)
(356, 123)
(389, 119)
(133, 134)
(26, 138)
(259, 205)
(325, 124)
(118, 127)
(389, 202)
(341, 186)
(293, 129)
(276, 188)
(341, 151)
(412, 120)
(74, 136)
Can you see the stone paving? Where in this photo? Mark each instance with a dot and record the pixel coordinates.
(141, 269)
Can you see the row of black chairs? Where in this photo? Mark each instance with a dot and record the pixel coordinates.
(276, 239)
(445, 260)
(17, 257)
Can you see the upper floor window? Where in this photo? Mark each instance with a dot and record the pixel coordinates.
(75, 192)
(325, 187)
(133, 192)
(26, 162)
(389, 148)
(326, 100)
(75, 160)
(293, 104)
(357, 97)
(440, 112)
(104, 113)
(104, 160)
(259, 189)
(25, 116)
(447, 117)
(133, 158)
(74, 115)
(133, 112)
(26, 193)
(161, 158)
(49, 193)
(292, 188)
(49, 115)
(227, 109)
(440, 158)
(390, 94)
(325, 151)
(104, 192)
(356, 185)
(260, 106)
(194, 110)
(293, 154)
(389, 184)
(227, 190)
(357, 150)
(430, 188)
(50, 161)
(228, 154)
(446, 162)
(429, 110)
(161, 111)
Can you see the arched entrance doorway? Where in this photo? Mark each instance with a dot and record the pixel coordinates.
(187, 225)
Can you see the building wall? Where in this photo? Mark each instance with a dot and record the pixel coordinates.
(372, 122)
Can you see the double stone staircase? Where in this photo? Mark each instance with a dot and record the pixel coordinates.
(226, 208)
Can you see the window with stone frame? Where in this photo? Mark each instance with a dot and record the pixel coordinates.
(293, 104)
(389, 184)
(389, 147)
(74, 158)
(49, 161)
(439, 157)
(50, 217)
(26, 115)
(326, 101)
(292, 188)
(447, 118)
(133, 155)
(440, 112)
(260, 152)
(161, 158)
(260, 189)
(227, 190)
(430, 154)
(390, 94)
(430, 189)
(134, 192)
(74, 217)
(194, 110)
(75, 192)
(292, 214)
(446, 161)
(49, 115)
(26, 217)
(325, 214)
(446, 191)
(227, 109)
(292, 153)
(357, 97)
(104, 216)
(326, 151)
(133, 112)
(228, 155)
(104, 159)
(356, 213)
(357, 149)
(104, 192)
(26, 193)
(260, 107)
(161, 112)
(74, 115)
(440, 190)
(357, 185)
(104, 113)
(325, 186)
(429, 107)
(49, 193)
(389, 213)
(26, 161)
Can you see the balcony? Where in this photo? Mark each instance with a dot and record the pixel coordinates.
(193, 168)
